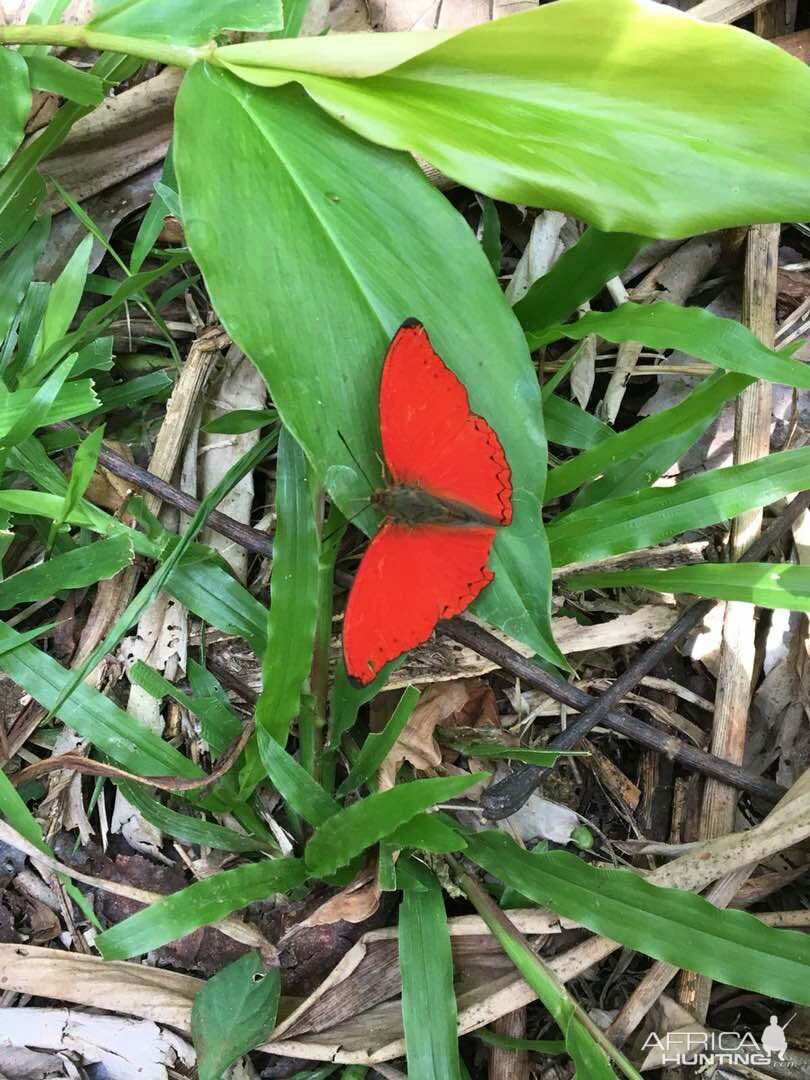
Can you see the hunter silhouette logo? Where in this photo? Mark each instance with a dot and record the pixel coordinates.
(773, 1038)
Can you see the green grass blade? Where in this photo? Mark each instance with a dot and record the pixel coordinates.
(65, 295)
(81, 472)
(377, 745)
(767, 585)
(200, 904)
(17, 269)
(73, 570)
(648, 517)
(568, 425)
(293, 594)
(429, 1010)
(357, 827)
(191, 830)
(292, 781)
(666, 924)
(578, 275)
(688, 418)
(141, 601)
(693, 330)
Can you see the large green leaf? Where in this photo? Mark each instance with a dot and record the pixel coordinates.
(338, 243)
(765, 584)
(724, 342)
(667, 924)
(648, 517)
(629, 114)
(184, 22)
(16, 102)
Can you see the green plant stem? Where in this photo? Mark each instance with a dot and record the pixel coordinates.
(541, 978)
(83, 38)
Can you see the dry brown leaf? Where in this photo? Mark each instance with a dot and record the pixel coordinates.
(416, 744)
(355, 903)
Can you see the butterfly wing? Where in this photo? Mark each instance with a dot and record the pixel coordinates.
(430, 438)
(408, 579)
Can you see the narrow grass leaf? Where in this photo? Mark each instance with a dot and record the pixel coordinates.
(691, 415)
(568, 425)
(428, 832)
(57, 77)
(81, 471)
(66, 292)
(585, 1043)
(73, 570)
(233, 1013)
(377, 744)
(578, 275)
(17, 269)
(185, 827)
(767, 585)
(71, 399)
(140, 602)
(200, 904)
(667, 924)
(357, 827)
(94, 716)
(42, 404)
(294, 594)
(693, 330)
(293, 783)
(648, 517)
(240, 421)
(509, 1042)
(429, 1010)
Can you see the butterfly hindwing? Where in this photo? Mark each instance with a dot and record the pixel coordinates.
(430, 438)
(408, 579)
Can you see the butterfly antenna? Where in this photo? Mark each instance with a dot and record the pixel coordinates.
(343, 524)
(360, 468)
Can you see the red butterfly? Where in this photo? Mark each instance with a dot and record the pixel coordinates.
(450, 488)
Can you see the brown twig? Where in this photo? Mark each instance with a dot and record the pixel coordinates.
(72, 762)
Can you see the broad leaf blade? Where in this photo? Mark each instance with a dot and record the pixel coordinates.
(16, 102)
(234, 1012)
(526, 110)
(184, 22)
(305, 212)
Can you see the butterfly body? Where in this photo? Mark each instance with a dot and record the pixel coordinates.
(408, 504)
(450, 491)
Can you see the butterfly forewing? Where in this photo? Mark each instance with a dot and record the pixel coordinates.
(430, 438)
